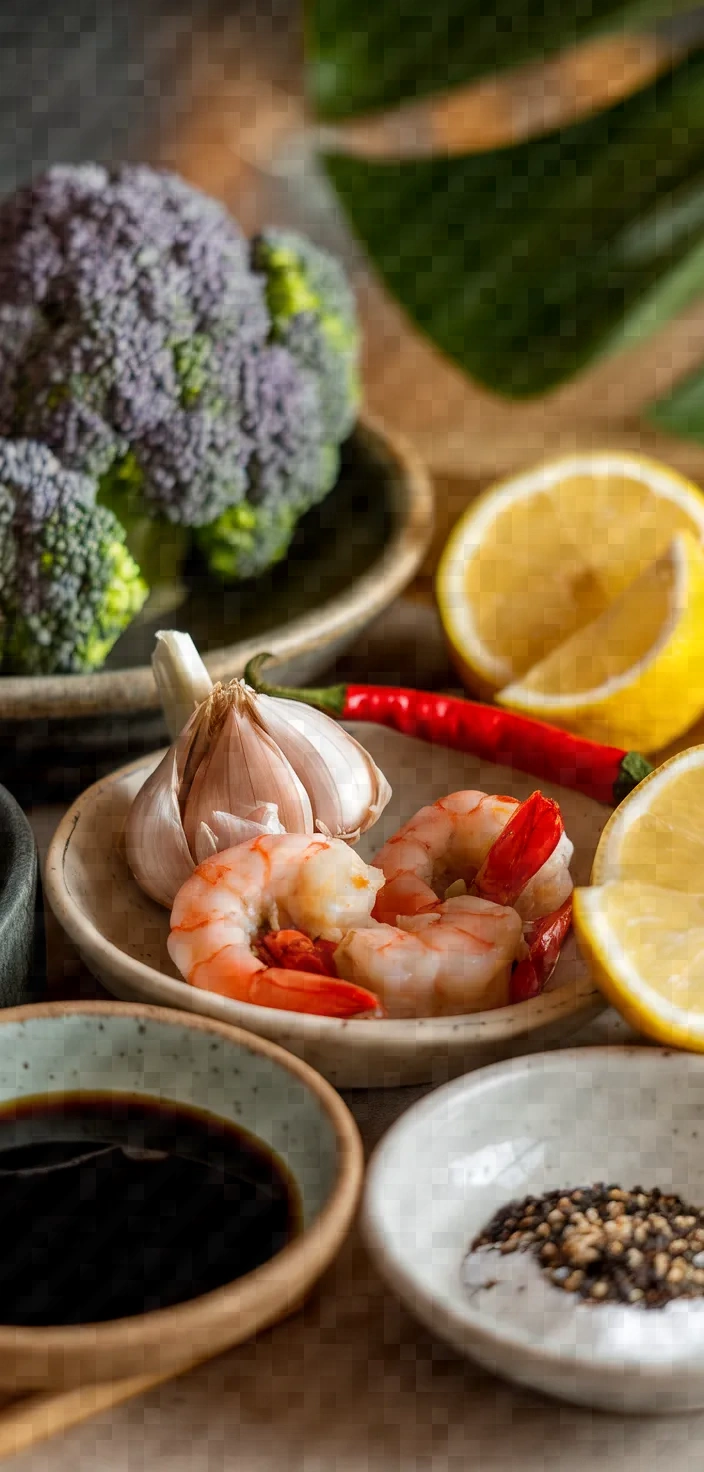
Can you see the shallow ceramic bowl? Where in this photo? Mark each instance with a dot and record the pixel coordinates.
(634, 1116)
(350, 558)
(18, 893)
(122, 935)
(196, 1061)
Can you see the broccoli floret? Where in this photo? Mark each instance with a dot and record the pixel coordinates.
(68, 585)
(289, 469)
(247, 539)
(313, 326)
(146, 344)
(312, 312)
(145, 310)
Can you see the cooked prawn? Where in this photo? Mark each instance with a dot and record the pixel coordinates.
(431, 956)
(454, 957)
(514, 853)
(316, 886)
(286, 921)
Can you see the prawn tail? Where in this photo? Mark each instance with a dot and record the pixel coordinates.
(302, 991)
(545, 938)
(521, 849)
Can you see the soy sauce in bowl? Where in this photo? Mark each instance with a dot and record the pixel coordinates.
(113, 1205)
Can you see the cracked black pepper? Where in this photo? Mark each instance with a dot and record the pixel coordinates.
(606, 1244)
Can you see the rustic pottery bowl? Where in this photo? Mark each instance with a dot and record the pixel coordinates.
(104, 1047)
(18, 896)
(121, 934)
(351, 557)
(631, 1116)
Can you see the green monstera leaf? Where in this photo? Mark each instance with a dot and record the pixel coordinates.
(363, 57)
(525, 263)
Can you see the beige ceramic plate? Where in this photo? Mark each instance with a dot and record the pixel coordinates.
(351, 557)
(122, 935)
(104, 1047)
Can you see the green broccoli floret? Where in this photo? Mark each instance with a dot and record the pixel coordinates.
(313, 326)
(247, 539)
(68, 585)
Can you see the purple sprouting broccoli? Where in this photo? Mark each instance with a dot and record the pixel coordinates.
(313, 323)
(149, 347)
(68, 585)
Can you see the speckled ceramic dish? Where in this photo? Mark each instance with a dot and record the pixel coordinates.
(122, 935)
(350, 558)
(631, 1116)
(18, 894)
(198, 1062)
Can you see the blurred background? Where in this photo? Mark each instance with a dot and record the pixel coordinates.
(216, 91)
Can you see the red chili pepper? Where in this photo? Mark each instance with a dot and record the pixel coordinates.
(295, 951)
(606, 773)
(520, 850)
(545, 938)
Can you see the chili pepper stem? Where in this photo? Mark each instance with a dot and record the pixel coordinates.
(330, 699)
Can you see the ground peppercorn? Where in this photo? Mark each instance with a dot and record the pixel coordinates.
(607, 1244)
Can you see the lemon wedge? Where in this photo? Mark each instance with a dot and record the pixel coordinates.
(634, 676)
(538, 557)
(656, 835)
(640, 925)
(645, 948)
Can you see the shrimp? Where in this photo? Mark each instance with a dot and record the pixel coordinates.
(222, 914)
(454, 957)
(458, 841)
(431, 957)
(302, 923)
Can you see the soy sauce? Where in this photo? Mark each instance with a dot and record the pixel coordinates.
(114, 1206)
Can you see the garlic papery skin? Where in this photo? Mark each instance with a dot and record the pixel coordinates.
(244, 765)
(181, 678)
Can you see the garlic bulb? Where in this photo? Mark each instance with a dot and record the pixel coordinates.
(243, 765)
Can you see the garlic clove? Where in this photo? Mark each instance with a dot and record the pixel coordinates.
(309, 763)
(267, 814)
(244, 768)
(155, 843)
(225, 830)
(346, 787)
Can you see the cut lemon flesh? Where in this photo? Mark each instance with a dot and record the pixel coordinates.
(533, 560)
(657, 834)
(640, 925)
(645, 947)
(634, 676)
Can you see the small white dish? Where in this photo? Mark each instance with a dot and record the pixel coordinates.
(628, 1116)
(121, 934)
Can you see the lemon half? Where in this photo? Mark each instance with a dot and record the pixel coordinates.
(537, 559)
